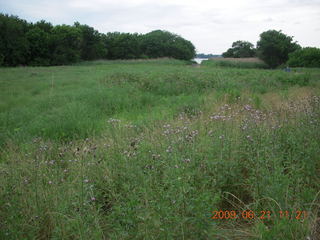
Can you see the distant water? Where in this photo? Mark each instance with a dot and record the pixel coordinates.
(199, 60)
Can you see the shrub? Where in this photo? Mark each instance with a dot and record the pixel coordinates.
(305, 57)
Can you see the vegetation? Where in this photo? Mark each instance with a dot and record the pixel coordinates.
(274, 47)
(240, 49)
(149, 149)
(23, 43)
(305, 57)
(210, 55)
(165, 44)
(235, 63)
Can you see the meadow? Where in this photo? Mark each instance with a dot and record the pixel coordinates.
(159, 149)
(236, 62)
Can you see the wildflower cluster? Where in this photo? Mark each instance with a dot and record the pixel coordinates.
(113, 121)
(225, 114)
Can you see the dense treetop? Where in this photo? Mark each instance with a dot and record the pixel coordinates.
(240, 49)
(41, 43)
(305, 57)
(274, 47)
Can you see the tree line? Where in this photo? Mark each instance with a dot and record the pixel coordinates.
(276, 49)
(210, 55)
(41, 43)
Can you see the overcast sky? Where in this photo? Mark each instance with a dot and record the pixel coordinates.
(210, 25)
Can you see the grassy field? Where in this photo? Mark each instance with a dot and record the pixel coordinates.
(159, 150)
(236, 62)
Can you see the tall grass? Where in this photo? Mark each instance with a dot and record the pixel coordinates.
(148, 151)
(235, 63)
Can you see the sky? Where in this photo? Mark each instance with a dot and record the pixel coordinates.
(211, 25)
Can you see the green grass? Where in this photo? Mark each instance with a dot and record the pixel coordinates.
(148, 149)
(235, 63)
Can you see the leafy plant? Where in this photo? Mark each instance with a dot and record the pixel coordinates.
(305, 57)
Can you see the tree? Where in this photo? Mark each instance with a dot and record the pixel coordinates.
(92, 45)
(305, 57)
(182, 49)
(43, 25)
(66, 43)
(123, 45)
(240, 49)
(14, 46)
(274, 47)
(228, 54)
(154, 44)
(160, 43)
(39, 42)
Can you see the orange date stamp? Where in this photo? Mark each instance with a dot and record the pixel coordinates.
(262, 215)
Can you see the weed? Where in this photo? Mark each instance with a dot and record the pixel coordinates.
(149, 149)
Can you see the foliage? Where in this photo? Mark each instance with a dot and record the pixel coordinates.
(92, 43)
(165, 44)
(123, 45)
(66, 42)
(240, 49)
(274, 47)
(23, 43)
(40, 47)
(234, 63)
(305, 57)
(14, 45)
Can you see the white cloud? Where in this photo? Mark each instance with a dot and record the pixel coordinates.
(211, 25)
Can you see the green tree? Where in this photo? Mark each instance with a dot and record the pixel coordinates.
(43, 25)
(160, 43)
(66, 44)
(182, 49)
(92, 45)
(14, 46)
(39, 43)
(274, 47)
(305, 57)
(228, 54)
(123, 45)
(240, 49)
(154, 44)
(44, 44)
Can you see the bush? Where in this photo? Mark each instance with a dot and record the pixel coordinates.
(305, 57)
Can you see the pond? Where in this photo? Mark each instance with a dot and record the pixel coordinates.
(199, 60)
